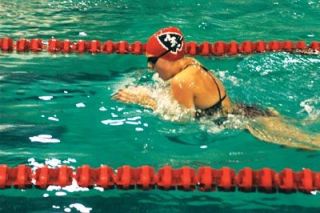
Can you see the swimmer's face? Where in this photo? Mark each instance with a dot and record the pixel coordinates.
(150, 63)
(152, 60)
(162, 67)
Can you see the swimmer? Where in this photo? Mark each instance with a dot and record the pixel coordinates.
(194, 87)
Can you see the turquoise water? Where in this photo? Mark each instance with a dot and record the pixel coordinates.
(68, 98)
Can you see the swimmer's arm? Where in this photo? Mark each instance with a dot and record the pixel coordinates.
(136, 96)
(183, 94)
(147, 102)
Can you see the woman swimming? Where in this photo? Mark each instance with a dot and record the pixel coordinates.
(194, 87)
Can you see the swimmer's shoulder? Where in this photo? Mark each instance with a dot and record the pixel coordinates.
(190, 73)
(187, 75)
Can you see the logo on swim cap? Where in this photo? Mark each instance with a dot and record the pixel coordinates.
(171, 41)
(166, 39)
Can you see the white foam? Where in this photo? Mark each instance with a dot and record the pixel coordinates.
(102, 109)
(134, 118)
(52, 162)
(266, 72)
(4, 127)
(80, 105)
(45, 98)
(167, 107)
(55, 163)
(114, 115)
(139, 129)
(113, 122)
(59, 194)
(223, 75)
(314, 60)
(315, 192)
(53, 119)
(34, 164)
(44, 139)
(311, 107)
(133, 122)
(99, 188)
(81, 208)
(45, 195)
(203, 146)
(53, 188)
(123, 83)
(67, 210)
(69, 160)
(55, 207)
(83, 34)
(235, 153)
(119, 109)
(74, 187)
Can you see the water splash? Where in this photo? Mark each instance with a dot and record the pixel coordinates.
(167, 107)
(44, 138)
(312, 107)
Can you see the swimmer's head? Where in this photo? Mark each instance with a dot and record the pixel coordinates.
(167, 43)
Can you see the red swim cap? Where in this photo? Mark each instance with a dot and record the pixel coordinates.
(166, 39)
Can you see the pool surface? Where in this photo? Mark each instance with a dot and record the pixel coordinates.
(57, 109)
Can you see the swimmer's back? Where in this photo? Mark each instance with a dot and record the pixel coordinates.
(204, 85)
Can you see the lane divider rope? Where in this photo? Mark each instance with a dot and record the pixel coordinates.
(219, 48)
(166, 178)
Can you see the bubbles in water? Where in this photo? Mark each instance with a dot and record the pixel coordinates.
(312, 107)
(67, 210)
(60, 194)
(80, 105)
(139, 129)
(45, 98)
(203, 25)
(102, 109)
(113, 122)
(224, 76)
(80, 207)
(53, 118)
(83, 34)
(44, 139)
(314, 192)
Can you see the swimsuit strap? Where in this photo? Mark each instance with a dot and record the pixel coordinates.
(214, 80)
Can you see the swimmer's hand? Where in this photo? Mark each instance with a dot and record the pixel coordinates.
(136, 95)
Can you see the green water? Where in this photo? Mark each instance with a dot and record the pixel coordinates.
(68, 97)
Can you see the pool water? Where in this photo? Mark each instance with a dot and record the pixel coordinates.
(67, 98)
